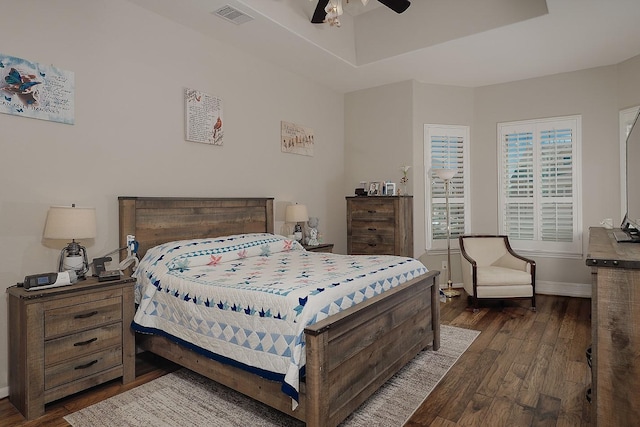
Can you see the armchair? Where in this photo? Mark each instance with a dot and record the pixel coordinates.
(492, 270)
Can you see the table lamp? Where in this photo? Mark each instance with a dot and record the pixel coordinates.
(70, 222)
(298, 214)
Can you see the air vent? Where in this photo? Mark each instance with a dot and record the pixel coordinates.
(232, 14)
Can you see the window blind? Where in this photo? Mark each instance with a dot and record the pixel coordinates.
(446, 147)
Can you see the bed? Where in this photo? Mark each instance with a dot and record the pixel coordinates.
(348, 355)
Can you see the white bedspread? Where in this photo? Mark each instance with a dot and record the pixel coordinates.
(246, 299)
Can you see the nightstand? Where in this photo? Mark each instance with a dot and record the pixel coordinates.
(322, 247)
(66, 339)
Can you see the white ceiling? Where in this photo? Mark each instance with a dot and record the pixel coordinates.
(466, 43)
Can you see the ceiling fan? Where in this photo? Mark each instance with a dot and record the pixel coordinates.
(329, 10)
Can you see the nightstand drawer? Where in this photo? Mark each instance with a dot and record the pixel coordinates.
(66, 320)
(81, 367)
(81, 343)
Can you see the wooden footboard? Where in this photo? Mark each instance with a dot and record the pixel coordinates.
(353, 353)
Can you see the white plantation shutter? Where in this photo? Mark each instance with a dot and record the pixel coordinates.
(446, 147)
(539, 176)
(517, 174)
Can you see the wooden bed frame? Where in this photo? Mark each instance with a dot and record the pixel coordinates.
(349, 355)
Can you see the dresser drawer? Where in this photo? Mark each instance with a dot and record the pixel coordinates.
(81, 367)
(373, 228)
(82, 343)
(67, 320)
(374, 210)
(371, 247)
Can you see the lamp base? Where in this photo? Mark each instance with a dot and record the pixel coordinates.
(450, 293)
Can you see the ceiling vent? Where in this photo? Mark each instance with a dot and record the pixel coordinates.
(232, 14)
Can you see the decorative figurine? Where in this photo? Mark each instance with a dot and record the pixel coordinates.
(313, 231)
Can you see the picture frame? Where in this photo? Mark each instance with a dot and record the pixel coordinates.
(374, 188)
(390, 188)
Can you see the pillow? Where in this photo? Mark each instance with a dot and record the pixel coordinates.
(186, 254)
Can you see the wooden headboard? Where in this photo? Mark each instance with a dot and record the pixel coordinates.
(156, 220)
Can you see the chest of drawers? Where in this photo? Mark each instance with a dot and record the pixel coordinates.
(380, 225)
(64, 340)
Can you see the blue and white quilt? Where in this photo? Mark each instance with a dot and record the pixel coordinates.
(246, 299)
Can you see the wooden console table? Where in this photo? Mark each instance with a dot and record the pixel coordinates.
(615, 326)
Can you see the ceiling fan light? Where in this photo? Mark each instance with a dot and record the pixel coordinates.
(338, 5)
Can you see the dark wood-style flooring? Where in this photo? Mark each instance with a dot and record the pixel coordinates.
(525, 369)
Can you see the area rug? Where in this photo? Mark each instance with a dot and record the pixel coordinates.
(183, 398)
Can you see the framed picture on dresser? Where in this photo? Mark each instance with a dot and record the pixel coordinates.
(390, 188)
(375, 188)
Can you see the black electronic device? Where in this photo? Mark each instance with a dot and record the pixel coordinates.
(49, 280)
(37, 280)
(99, 264)
(108, 275)
(361, 192)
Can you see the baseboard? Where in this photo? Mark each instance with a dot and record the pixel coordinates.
(4, 392)
(578, 290)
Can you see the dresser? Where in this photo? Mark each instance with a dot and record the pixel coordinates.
(615, 329)
(66, 339)
(380, 225)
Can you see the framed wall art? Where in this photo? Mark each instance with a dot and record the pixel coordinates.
(296, 139)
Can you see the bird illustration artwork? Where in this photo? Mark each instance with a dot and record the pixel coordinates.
(22, 86)
(217, 127)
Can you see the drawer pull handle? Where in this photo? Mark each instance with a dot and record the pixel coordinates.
(85, 315)
(372, 229)
(372, 244)
(86, 365)
(87, 342)
(372, 211)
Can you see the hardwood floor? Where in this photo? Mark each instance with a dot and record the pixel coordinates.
(525, 369)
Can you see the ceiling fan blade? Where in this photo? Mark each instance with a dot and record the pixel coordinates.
(319, 14)
(397, 6)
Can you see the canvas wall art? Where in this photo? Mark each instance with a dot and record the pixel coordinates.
(37, 91)
(296, 139)
(203, 117)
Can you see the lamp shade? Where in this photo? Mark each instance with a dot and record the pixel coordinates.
(296, 213)
(445, 174)
(70, 222)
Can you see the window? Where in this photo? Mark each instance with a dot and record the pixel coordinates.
(539, 185)
(446, 147)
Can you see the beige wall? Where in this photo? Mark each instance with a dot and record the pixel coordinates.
(130, 71)
(379, 134)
